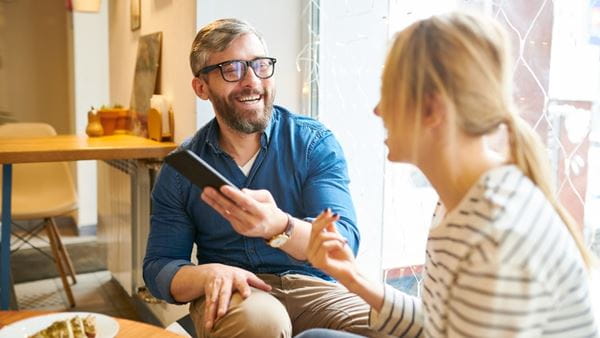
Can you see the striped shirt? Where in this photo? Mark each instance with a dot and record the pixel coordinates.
(502, 263)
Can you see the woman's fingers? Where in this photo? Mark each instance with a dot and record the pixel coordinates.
(326, 259)
(324, 238)
(317, 242)
(320, 223)
(329, 246)
(331, 226)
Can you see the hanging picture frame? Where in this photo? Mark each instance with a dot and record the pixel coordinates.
(146, 81)
(136, 17)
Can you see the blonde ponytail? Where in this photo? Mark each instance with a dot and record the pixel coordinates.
(529, 154)
(465, 59)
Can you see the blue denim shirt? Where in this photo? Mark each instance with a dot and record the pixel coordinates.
(299, 162)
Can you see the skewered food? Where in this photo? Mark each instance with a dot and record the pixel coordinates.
(76, 327)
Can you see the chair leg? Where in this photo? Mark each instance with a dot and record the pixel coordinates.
(14, 303)
(63, 251)
(54, 239)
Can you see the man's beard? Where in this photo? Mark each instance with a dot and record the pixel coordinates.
(247, 121)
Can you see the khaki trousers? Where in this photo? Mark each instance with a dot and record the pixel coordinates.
(295, 303)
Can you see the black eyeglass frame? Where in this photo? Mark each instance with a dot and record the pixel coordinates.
(248, 64)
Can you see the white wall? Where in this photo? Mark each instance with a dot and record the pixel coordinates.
(175, 19)
(90, 49)
(280, 22)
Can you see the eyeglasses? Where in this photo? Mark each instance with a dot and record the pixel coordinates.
(235, 70)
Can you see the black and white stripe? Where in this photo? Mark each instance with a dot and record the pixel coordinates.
(501, 264)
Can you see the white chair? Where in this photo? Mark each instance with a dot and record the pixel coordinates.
(43, 191)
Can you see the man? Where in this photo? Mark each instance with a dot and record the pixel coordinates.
(251, 279)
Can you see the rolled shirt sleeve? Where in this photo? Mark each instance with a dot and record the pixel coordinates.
(171, 235)
(327, 185)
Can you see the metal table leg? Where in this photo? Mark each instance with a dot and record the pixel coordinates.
(5, 280)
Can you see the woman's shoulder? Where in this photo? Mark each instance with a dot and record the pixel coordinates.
(504, 205)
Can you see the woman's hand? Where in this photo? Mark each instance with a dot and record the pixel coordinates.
(328, 251)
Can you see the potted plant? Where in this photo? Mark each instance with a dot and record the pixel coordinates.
(115, 119)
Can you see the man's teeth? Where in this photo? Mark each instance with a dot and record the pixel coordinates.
(249, 98)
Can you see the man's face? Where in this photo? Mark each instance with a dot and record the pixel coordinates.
(245, 105)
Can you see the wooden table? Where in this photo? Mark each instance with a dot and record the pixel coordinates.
(55, 149)
(127, 328)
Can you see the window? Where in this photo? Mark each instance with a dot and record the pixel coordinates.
(557, 82)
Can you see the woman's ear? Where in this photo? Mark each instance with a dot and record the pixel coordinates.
(200, 87)
(436, 110)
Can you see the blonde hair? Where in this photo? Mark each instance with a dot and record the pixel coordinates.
(465, 61)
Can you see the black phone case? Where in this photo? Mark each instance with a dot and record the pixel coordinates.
(196, 170)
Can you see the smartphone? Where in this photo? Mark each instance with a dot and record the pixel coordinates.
(196, 170)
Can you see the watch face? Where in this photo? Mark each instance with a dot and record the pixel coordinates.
(278, 241)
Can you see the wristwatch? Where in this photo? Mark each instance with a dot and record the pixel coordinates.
(282, 238)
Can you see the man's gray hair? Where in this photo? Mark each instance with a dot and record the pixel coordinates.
(216, 37)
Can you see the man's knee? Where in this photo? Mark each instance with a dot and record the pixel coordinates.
(259, 315)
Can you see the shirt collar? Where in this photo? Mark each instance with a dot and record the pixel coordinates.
(212, 136)
(266, 135)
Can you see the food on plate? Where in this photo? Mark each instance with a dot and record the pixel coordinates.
(76, 327)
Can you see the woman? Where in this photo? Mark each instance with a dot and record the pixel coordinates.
(506, 259)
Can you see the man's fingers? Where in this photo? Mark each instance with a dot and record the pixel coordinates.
(216, 287)
(210, 305)
(224, 298)
(216, 199)
(210, 196)
(241, 285)
(230, 211)
(242, 199)
(258, 283)
(209, 314)
(261, 195)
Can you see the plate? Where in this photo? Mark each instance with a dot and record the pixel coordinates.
(106, 327)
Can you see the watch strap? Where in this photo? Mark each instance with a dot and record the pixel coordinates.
(280, 239)
(289, 228)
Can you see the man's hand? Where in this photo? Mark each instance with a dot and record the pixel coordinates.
(219, 283)
(252, 213)
(327, 249)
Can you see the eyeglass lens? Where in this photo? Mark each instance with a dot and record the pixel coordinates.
(235, 70)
